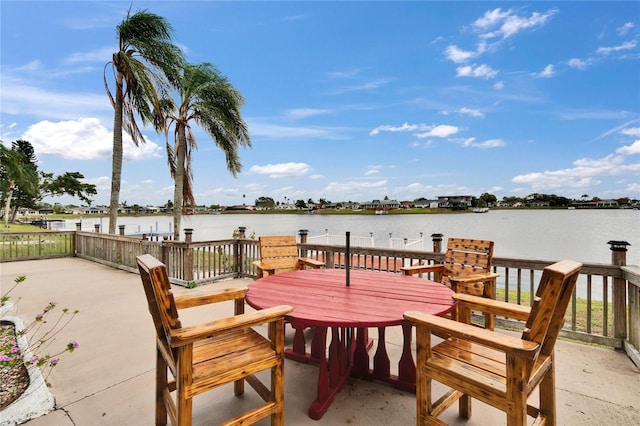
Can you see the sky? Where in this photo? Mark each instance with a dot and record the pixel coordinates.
(349, 100)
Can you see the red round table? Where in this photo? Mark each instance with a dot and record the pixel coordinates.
(321, 299)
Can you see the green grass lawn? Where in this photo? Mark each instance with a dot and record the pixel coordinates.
(19, 227)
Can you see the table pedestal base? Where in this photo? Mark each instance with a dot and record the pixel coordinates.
(348, 355)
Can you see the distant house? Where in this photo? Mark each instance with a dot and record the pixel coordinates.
(380, 205)
(455, 201)
(407, 204)
(90, 210)
(423, 203)
(598, 204)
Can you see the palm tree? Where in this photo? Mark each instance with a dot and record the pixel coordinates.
(144, 66)
(208, 99)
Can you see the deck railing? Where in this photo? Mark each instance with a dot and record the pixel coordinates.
(605, 307)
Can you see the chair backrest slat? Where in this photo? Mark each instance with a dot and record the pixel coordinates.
(160, 298)
(279, 251)
(550, 304)
(465, 257)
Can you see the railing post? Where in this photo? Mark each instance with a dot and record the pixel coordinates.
(78, 226)
(303, 240)
(437, 242)
(164, 254)
(121, 230)
(96, 228)
(619, 258)
(238, 251)
(187, 272)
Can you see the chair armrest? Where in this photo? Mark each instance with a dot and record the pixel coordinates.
(264, 266)
(496, 307)
(311, 262)
(422, 269)
(219, 295)
(191, 334)
(478, 278)
(503, 342)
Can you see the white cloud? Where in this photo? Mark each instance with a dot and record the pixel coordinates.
(300, 113)
(491, 18)
(632, 131)
(625, 28)
(546, 72)
(83, 139)
(406, 127)
(18, 98)
(352, 187)
(282, 170)
(632, 149)
(275, 131)
(629, 45)
(366, 86)
(480, 71)
(457, 55)
(586, 172)
(471, 112)
(372, 170)
(578, 63)
(440, 131)
(499, 85)
(96, 56)
(508, 23)
(490, 143)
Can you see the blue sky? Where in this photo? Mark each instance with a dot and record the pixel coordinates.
(350, 100)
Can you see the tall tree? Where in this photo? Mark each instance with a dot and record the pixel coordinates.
(146, 64)
(25, 186)
(209, 100)
(17, 173)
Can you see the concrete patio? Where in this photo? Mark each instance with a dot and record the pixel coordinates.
(109, 379)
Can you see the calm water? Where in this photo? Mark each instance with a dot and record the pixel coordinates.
(534, 234)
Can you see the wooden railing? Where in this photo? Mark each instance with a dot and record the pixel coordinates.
(605, 307)
(36, 245)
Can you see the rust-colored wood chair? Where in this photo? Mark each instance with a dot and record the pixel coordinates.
(279, 253)
(466, 269)
(499, 369)
(202, 357)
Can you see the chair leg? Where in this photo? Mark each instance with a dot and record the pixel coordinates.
(517, 417)
(238, 387)
(184, 378)
(277, 390)
(423, 382)
(161, 387)
(464, 406)
(185, 410)
(547, 390)
(489, 292)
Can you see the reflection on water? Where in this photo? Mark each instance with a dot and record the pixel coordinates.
(533, 234)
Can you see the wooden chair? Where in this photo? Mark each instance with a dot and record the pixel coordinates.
(279, 253)
(498, 369)
(204, 356)
(466, 269)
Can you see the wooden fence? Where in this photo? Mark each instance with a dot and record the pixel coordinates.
(605, 307)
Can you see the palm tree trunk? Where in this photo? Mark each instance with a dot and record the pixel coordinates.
(7, 206)
(116, 167)
(181, 153)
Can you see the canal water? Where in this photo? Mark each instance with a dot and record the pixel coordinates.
(532, 234)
